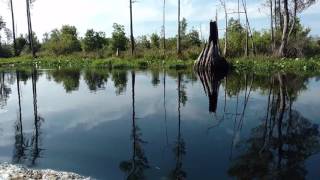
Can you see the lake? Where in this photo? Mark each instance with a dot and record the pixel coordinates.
(161, 124)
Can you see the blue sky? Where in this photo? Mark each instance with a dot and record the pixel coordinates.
(101, 14)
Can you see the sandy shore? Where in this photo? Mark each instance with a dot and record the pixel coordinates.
(8, 171)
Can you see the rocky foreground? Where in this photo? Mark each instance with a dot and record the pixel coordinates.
(8, 171)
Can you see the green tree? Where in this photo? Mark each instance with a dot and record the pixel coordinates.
(21, 43)
(35, 44)
(155, 40)
(144, 42)
(183, 27)
(119, 39)
(236, 38)
(94, 40)
(64, 41)
(193, 38)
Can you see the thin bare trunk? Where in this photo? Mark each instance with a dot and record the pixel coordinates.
(293, 23)
(275, 14)
(179, 29)
(131, 30)
(13, 29)
(30, 32)
(164, 25)
(280, 15)
(284, 38)
(271, 26)
(225, 51)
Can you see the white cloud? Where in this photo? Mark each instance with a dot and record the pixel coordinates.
(101, 14)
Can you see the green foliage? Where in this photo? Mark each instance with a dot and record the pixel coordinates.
(155, 40)
(193, 39)
(183, 27)
(143, 42)
(36, 44)
(94, 41)
(236, 38)
(64, 41)
(5, 51)
(119, 39)
(21, 43)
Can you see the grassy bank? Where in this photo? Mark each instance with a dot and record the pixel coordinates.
(256, 64)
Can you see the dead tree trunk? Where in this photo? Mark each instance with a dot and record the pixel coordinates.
(131, 30)
(271, 26)
(164, 25)
(223, 3)
(284, 38)
(13, 29)
(179, 31)
(210, 59)
(30, 32)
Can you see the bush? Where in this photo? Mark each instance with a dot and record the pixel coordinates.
(5, 51)
(64, 41)
(94, 41)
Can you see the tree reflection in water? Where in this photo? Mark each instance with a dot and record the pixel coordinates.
(180, 147)
(278, 148)
(135, 167)
(20, 145)
(120, 80)
(35, 139)
(96, 78)
(4, 90)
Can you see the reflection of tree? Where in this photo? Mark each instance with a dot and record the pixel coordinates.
(120, 81)
(211, 84)
(20, 144)
(96, 79)
(4, 90)
(278, 147)
(180, 148)
(35, 140)
(135, 167)
(70, 78)
(155, 77)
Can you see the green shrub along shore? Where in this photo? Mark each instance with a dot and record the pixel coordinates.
(64, 48)
(255, 64)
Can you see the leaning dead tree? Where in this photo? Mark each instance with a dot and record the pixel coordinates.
(210, 59)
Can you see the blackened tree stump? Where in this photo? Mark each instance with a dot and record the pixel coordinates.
(210, 59)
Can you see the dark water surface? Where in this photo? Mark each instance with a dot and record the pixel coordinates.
(161, 124)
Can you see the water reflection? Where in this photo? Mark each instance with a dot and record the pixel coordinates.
(135, 167)
(38, 120)
(20, 145)
(180, 146)
(276, 142)
(4, 90)
(278, 147)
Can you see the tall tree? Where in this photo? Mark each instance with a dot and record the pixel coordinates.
(13, 28)
(271, 25)
(30, 32)
(223, 4)
(164, 25)
(131, 29)
(285, 29)
(179, 31)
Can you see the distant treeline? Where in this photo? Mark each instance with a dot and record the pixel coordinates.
(95, 44)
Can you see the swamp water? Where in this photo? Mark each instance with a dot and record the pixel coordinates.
(152, 124)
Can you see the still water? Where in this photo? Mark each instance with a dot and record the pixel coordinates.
(160, 124)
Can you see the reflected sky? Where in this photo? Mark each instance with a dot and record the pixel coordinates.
(91, 127)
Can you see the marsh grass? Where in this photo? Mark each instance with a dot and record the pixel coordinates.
(261, 64)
